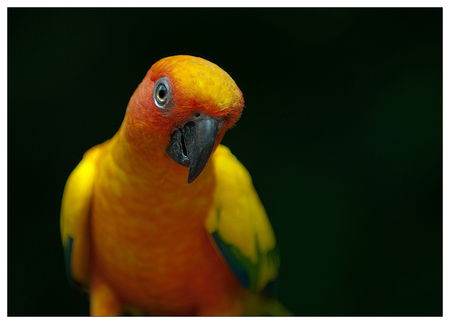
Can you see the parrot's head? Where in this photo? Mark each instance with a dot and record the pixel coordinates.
(182, 109)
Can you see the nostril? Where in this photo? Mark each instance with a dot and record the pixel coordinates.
(197, 115)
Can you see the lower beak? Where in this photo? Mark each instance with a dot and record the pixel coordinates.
(192, 145)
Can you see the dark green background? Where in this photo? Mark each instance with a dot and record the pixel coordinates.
(342, 133)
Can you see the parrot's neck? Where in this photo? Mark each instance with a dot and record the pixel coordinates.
(155, 171)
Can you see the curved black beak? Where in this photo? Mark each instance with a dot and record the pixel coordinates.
(192, 145)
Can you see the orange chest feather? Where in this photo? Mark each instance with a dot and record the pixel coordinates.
(151, 245)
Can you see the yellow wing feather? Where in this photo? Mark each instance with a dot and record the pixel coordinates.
(75, 211)
(239, 220)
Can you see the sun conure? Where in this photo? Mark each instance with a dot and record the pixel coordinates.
(139, 238)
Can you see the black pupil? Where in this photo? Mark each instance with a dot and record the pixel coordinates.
(162, 93)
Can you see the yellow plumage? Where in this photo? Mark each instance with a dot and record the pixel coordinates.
(139, 237)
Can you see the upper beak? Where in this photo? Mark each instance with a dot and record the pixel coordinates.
(192, 145)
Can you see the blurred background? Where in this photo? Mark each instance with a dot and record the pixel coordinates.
(342, 133)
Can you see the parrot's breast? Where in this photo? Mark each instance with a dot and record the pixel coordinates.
(152, 248)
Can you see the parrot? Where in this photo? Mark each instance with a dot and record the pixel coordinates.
(139, 239)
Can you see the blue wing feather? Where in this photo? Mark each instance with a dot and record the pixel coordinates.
(238, 268)
(67, 259)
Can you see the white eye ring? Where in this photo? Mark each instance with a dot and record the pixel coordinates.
(161, 93)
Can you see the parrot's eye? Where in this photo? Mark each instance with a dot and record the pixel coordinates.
(161, 92)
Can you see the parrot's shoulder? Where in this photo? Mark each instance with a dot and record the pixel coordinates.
(239, 225)
(74, 220)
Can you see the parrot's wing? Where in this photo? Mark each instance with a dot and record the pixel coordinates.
(240, 228)
(75, 211)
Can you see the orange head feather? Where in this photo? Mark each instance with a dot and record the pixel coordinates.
(177, 93)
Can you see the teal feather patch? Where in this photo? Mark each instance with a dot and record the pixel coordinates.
(236, 266)
(67, 260)
(76, 286)
(246, 271)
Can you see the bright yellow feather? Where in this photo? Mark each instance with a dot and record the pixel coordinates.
(242, 216)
